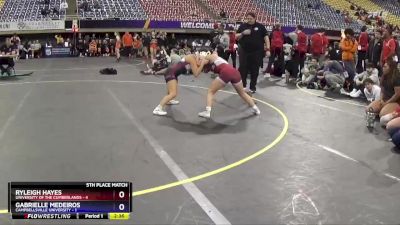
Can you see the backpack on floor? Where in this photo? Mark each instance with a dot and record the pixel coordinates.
(108, 71)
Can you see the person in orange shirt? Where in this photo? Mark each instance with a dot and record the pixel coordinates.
(139, 46)
(136, 45)
(153, 46)
(349, 45)
(127, 42)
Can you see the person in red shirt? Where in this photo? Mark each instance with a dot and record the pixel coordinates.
(389, 46)
(363, 41)
(232, 46)
(319, 45)
(277, 40)
(300, 47)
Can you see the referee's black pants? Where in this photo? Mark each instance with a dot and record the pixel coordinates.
(249, 63)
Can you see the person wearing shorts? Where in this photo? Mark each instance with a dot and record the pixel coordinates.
(226, 74)
(193, 62)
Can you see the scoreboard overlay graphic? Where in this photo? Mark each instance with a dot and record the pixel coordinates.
(70, 200)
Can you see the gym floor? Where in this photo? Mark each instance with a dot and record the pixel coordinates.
(311, 158)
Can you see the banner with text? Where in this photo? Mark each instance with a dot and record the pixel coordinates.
(33, 25)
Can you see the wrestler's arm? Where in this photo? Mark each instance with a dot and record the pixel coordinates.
(196, 70)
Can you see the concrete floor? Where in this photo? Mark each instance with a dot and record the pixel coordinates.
(68, 123)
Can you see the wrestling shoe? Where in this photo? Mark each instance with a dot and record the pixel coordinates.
(256, 110)
(160, 112)
(356, 94)
(205, 114)
(353, 91)
(343, 92)
(173, 102)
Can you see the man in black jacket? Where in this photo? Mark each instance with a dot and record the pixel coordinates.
(375, 49)
(252, 38)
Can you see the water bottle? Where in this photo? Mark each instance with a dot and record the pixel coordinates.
(370, 118)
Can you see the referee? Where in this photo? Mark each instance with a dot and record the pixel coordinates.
(251, 38)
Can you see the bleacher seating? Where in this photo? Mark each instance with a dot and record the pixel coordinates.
(236, 10)
(291, 13)
(123, 9)
(392, 6)
(372, 7)
(187, 10)
(29, 10)
(309, 13)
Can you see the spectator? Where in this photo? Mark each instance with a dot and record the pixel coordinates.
(175, 58)
(223, 46)
(127, 42)
(15, 41)
(310, 72)
(277, 40)
(375, 49)
(390, 90)
(171, 41)
(136, 46)
(59, 40)
(251, 36)
(36, 49)
(300, 47)
(334, 52)
(388, 47)
(96, 5)
(222, 14)
(26, 50)
(64, 5)
(319, 45)
(81, 45)
(362, 49)
(146, 44)
(118, 46)
(161, 39)
(371, 73)
(105, 50)
(232, 47)
(98, 44)
(93, 47)
(348, 45)
(153, 45)
(6, 63)
(393, 127)
(372, 91)
(333, 72)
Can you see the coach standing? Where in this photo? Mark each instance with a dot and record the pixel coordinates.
(251, 37)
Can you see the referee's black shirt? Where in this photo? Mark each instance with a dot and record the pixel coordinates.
(255, 40)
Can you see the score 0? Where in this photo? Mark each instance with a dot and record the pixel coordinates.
(122, 195)
(122, 198)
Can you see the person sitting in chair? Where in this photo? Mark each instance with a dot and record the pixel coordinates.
(6, 63)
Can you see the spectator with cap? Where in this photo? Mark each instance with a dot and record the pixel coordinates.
(251, 37)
